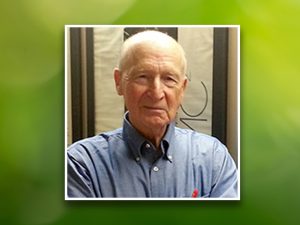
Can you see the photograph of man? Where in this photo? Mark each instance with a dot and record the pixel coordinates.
(149, 157)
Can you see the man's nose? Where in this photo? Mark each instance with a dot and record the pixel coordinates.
(156, 89)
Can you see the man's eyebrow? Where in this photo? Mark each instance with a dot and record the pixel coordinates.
(140, 69)
(148, 68)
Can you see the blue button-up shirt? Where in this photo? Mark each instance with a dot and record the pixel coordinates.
(122, 163)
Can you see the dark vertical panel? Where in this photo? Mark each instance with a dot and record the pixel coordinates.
(220, 63)
(90, 81)
(76, 88)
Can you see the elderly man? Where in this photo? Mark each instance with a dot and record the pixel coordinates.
(149, 156)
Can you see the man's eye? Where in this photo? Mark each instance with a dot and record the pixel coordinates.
(142, 78)
(170, 81)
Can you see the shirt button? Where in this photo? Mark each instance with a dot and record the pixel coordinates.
(137, 159)
(155, 168)
(147, 145)
(170, 157)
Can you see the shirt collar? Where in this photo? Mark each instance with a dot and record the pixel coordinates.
(135, 140)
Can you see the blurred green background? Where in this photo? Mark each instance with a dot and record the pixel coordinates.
(32, 111)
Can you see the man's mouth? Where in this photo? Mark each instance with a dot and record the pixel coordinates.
(151, 108)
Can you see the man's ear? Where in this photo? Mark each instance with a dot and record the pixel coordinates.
(118, 81)
(185, 82)
(184, 85)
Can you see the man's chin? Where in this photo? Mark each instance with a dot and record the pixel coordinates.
(156, 121)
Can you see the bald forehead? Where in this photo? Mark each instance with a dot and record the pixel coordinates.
(150, 40)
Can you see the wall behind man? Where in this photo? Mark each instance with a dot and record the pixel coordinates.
(109, 107)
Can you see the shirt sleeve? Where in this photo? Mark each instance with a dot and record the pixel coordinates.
(225, 176)
(79, 180)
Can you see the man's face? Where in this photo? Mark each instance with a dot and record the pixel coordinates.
(152, 86)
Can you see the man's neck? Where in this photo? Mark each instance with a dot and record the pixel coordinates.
(155, 136)
(152, 133)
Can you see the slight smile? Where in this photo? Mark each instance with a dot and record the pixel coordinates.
(154, 109)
